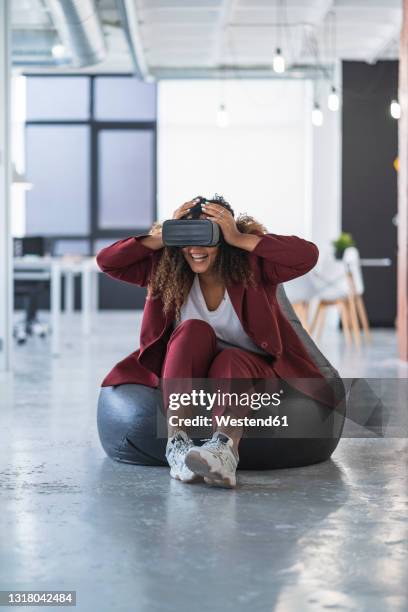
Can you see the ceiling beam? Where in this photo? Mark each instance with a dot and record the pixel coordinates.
(130, 24)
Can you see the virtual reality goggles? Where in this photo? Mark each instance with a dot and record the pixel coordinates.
(191, 232)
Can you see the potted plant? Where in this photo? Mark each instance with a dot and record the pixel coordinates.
(344, 241)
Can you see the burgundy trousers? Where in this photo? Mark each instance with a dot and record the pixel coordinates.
(192, 353)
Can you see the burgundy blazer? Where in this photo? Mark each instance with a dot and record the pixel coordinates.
(275, 259)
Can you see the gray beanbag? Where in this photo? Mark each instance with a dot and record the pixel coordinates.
(127, 421)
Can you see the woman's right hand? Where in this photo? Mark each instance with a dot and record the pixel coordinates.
(154, 241)
(184, 208)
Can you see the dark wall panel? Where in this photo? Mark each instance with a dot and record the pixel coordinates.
(116, 294)
(369, 180)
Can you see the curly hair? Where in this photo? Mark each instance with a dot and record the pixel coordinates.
(172, 277)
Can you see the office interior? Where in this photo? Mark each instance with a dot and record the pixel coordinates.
(112, 114)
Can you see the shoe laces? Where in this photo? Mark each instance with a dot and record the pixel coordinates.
(179, 446)
(218, 448)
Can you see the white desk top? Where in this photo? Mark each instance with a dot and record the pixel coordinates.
(65, 264)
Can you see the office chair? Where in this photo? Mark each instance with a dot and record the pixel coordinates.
(351, 258)
(300, 293)
(30, 291)
(333, 289)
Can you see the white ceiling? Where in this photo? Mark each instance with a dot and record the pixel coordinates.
(187, 33)
(206, 34)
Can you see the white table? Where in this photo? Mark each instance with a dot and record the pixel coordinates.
(88, 270)
(53, 269)
(90, 292)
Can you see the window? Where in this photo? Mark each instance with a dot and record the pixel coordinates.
(58, 98)
(101, 243)
(58, 167)
(71, 247)
(91, 153)
(124, 99)
(126, 179)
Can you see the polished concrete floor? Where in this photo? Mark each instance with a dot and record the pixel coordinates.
(127, 538)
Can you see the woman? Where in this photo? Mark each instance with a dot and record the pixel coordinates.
(211, 312)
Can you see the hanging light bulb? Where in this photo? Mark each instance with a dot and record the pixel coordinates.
(278, 61)
(58, 51)
(395, 109)
(333, 101)
(317, 115)
(222, 117)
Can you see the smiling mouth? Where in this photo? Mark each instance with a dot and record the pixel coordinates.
(198, 258)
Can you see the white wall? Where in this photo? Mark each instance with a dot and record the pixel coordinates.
(258, 163)
(270, 162)
(325, 169)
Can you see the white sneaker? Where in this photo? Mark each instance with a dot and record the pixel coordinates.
(176, 449)
(216, 460)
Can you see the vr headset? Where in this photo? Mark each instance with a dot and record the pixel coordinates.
(191, 232)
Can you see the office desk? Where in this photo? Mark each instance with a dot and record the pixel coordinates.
(53, 269)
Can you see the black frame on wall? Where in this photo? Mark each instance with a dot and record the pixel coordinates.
(95, 127)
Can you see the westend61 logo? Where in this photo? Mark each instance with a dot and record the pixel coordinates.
(207, 401)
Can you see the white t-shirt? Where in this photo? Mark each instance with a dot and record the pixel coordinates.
(224, 320)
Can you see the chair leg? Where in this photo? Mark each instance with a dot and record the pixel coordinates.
(301, 315)
(320, 322)
(297, 307)
(354, 320)
(342, 306)
(362, 314)
(306, 325)
(316, 318)
(300, 309)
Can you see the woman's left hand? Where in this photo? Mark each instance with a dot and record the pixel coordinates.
(225, 220)
(231, 233)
